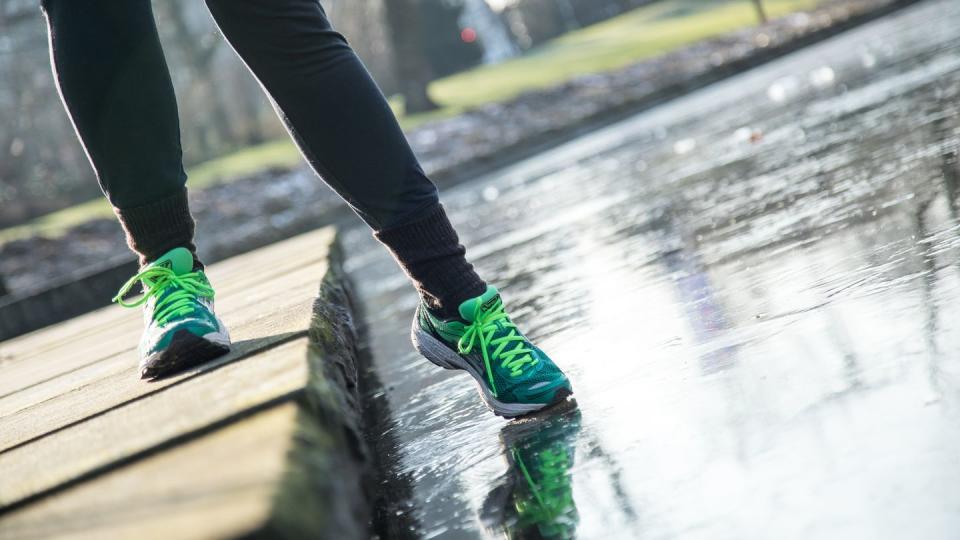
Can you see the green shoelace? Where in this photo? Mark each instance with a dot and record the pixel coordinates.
(552, 497)
(157, 279)
(482, 331)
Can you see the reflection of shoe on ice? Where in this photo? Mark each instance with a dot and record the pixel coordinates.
(535, 497)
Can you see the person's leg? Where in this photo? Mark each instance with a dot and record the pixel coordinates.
(348, 134)
(113, 79)
(114, 82)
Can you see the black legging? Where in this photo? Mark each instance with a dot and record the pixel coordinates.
(114, 81)
(113, 78)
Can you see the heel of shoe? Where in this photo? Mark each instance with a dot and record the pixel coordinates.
(431, 349)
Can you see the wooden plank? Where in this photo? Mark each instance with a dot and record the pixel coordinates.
(231, 276)
(239, 312)
(180, 410)
(87, 450)
(277, 319)
(221, 485)
(68, 399)
(114, 330)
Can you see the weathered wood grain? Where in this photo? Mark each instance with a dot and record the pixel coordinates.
(100, 331)
(180, 410)
(236, 309)
(87, 392)
(72, 396)
(78, 380)
(221, 485)
(267, 439)
(29, 381)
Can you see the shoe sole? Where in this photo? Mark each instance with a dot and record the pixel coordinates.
(438, 353)
(186, 350)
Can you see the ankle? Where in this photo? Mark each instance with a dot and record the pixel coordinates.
(155, 228)
(449, 308)
(430, 253)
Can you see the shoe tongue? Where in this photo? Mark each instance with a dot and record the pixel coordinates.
(180, 260)
(487, 299)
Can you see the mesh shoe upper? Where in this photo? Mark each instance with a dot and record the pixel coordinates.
(175, 298)
(512, 368)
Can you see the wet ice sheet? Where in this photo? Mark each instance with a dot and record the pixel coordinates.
(754, 290)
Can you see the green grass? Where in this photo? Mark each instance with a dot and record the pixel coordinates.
(280, 153)
(642, 33)
(632, 37)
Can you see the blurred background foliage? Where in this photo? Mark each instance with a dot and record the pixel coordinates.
(435, 58)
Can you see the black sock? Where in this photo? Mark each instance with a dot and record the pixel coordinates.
(156, 228)
(430, 253)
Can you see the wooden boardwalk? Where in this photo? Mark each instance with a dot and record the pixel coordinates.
(88, 450)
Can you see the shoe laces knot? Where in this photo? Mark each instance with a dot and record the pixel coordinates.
(509, 348)
(176, 293)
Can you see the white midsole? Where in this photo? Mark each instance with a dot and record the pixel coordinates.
(220, 338)
(436, 352)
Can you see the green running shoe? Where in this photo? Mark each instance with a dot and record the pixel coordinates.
(180, 327)
(513, 376)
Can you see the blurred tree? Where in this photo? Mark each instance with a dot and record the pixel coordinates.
(411, 64)
(444, 45)
(12, 13)
(42, 167)
(489, 29)
(568, 14)
(364, 24)
(405, 43)
(533, 22)
(761, 12)
(198, 44)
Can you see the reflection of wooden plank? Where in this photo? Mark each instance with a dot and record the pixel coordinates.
(220, 485)
(104, 332)
(103, 441)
